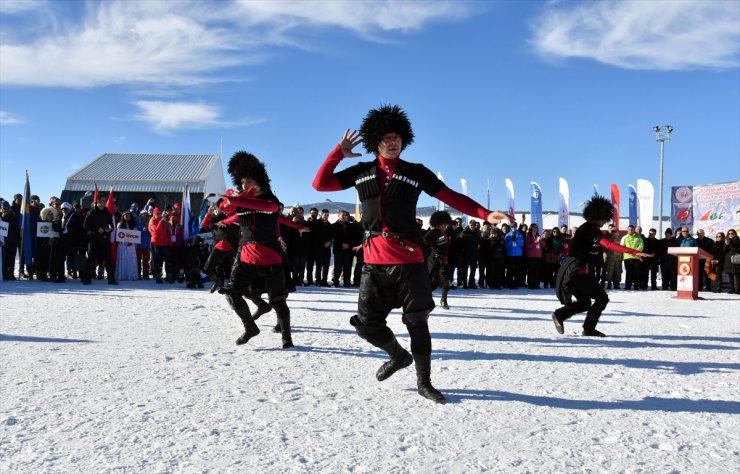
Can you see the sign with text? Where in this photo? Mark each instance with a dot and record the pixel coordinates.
(44, 229)
(207, 238)
(3, 229)
(130, 236)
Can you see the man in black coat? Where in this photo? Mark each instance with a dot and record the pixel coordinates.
(99, 225)
(72, 235)
(341, 234)
(321, 238)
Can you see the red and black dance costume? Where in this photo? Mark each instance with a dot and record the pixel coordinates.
(259, 267)
(395, 273)
(574, 281)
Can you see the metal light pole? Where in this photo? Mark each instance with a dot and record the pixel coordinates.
(662, 135)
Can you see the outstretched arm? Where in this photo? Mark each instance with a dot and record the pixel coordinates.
(325, 179)
(286, 221)
(611, 245)
(251, 203)
(466, 205)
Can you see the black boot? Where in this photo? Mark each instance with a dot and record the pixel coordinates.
(242, 310)
(423, 379)
(558, 323)
(284, 322)
(592, 333)
(217, 283)
(250, 330)
(263, 308)
(443, 303)
(276, 328)
(400, 358)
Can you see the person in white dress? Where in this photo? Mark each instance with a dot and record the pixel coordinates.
(126, 268)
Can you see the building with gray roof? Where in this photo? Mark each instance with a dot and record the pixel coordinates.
(135, 178)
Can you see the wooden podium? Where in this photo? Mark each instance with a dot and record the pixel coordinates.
(687, 273)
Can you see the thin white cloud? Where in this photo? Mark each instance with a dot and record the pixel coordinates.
(651, 35)
(168, 116)
(8, 119)
(165, 117)
(187, 42)
(12, 7)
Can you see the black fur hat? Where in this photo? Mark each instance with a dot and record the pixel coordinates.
(243, 164)
(439, 218)
(598, 208)
(379, 122)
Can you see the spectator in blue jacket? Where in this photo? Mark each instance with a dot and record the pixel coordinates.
(514, 244)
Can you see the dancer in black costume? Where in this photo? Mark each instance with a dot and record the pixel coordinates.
(573, 279)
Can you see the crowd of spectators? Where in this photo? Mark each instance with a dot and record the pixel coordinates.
(324, 252)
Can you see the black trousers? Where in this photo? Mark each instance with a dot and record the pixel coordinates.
(10, 250)
(98, 252)
(343, 267)
(513, 270)
(649, 272)
(533, 272)
(584, 288)
(466, 271)
(219, 263)
(495, 271)
(385, 287)
(668, 273)
(323, 260)
(632, 269)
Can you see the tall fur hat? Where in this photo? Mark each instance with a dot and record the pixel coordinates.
(386, 119)
(598, 208)
(243, 164)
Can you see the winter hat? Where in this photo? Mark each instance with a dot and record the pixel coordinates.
(52, 200)
(66, 205)
(598, 208)
(380, 122)
(49, 214)
(243, 164)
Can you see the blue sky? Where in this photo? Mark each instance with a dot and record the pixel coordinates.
(526, 90)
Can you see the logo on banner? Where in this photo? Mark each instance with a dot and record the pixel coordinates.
(684, 194)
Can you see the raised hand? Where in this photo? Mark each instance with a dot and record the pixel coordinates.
(349, 141)
(498, 216)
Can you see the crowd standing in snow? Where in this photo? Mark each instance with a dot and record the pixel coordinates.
(486, 256)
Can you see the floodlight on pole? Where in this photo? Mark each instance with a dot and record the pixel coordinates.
(662, 135)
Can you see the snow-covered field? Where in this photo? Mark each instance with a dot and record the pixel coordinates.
(145, 378)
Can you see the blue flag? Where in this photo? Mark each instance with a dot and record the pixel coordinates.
(26, 231)
(536, 205)
(633, 206)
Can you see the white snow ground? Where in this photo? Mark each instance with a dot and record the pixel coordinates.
(145, 378)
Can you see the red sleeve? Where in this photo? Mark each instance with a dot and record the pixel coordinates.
(206, 220)
(462, 203)
(230, 220)
(286, 221)
(611, 245)
(325, 179)
(254, 203)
